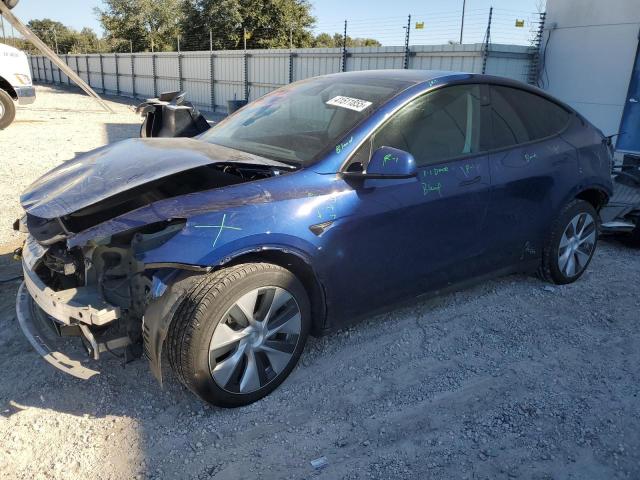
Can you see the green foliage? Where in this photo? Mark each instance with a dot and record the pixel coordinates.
(269, 24)
(324, 40)
(138, 24)
(141, 24)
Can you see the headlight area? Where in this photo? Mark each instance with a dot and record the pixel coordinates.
(98, 292)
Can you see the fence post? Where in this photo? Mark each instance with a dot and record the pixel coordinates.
(153, 74)
(180, 83)
(406, 44)
(246, 66)
(66, 60)
(133, 71)
(344, 48)
(534, 62)
(291, 57)
(77, 65)
(115, 58)
(102, 74)
(487, 40)
(86, 62)
(133, 77)
(212, 72)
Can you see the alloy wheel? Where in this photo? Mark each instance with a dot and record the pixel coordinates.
(577, 245)
(255, 340)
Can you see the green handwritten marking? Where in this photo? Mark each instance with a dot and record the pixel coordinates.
(427, 188)
(436, 171)
(329, 210)
(221, 227)
(342, 146)
(530, 156)
(468, 168)
(388, 158)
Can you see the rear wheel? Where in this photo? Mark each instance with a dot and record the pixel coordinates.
(7, 110)
(571, 244)
(239, 332)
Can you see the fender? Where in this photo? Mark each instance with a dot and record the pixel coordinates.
(171, 285)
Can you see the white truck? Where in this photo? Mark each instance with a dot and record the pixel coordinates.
(15, 83)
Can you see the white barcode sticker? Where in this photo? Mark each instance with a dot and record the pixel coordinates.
(349, 102)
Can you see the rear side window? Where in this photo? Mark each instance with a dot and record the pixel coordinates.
(519, 117)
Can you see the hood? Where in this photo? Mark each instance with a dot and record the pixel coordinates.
(129, 165)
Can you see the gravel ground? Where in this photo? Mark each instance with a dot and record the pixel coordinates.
(509, 379)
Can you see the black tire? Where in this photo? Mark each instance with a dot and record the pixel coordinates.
(8, 111)
(201, 311)
(549, 269)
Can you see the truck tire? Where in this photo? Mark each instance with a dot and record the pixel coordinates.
(571, 243)
(7, 110)
(239, 332)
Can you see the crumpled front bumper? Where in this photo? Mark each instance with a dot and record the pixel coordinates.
(40, 332)
(43, 313)
(82, 304)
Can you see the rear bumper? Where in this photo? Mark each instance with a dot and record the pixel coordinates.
(26, 95)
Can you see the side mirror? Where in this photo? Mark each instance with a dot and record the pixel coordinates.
(387, 162)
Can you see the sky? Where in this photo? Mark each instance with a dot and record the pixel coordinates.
(366, 18)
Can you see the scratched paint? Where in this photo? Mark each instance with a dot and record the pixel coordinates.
(220, 228)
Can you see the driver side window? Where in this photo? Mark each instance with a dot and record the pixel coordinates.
(435, 127)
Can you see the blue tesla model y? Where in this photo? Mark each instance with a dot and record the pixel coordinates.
(325, 200)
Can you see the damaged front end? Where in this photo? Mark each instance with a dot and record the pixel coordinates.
(98, 290)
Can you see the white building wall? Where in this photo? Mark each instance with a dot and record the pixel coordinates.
(590, 56)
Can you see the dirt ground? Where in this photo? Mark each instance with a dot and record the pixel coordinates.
(512, 378)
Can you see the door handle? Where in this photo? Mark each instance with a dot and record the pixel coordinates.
(464, 183)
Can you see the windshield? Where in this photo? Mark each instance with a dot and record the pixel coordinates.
(297, 123)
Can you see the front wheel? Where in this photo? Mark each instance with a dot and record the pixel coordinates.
(571, 244)
(7, 110)
(239, 332)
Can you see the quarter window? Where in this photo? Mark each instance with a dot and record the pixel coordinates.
(519, 117)
(438, 126)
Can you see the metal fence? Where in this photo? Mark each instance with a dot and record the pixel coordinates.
(211, 78)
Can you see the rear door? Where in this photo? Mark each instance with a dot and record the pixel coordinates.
(529, 165)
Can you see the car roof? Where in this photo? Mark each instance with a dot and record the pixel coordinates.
(411, 76)
(444, 77)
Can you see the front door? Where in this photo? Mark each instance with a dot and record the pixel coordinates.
(629, 139)
(408, 236)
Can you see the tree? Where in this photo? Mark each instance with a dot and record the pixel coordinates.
(86, 42)
(324, 40)
(52, 32)
(268, 23)
(221, 17)
(141, 22)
